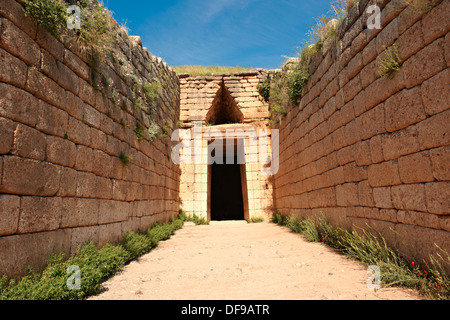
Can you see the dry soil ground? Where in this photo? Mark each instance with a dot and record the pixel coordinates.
(240, 261)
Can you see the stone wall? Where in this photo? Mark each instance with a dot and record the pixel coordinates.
(367, 150)
(62, 180)
(224, 102)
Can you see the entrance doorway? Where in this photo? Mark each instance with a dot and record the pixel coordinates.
(228, 188)
(227, 202)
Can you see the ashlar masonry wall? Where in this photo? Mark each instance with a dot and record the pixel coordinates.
(371, 151)
(64, 144)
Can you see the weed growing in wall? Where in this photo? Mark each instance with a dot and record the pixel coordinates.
(151, 92)
(98, 30)
(153, 131)
(166, 129)
(389, 62)
(51, 14)
(264, 89)
(126, 159)
(139, 131)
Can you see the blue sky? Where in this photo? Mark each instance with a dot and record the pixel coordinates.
(256, 33)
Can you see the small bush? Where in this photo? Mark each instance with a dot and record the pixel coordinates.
(138, 104)
(278, 109)
(51, 14)
(98, 31)
(139, 131)
(153, 131)
(126, 159)
(256, 220)
(297, 81)
(279, 219)
(389, 62)
(193, 218)
(166, 129)
(264, 89)
(137, 244)
(152, 90)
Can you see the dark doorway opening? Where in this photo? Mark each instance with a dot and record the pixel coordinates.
(227, 201)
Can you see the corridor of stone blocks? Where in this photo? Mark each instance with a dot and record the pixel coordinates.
(85, 149)
(234, 188)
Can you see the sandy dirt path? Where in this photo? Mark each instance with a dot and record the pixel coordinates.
(240, 261)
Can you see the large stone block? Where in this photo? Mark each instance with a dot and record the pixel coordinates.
(410, 42)
(39, 214)
(29, 143)
(6, 135)
(86, 184)
(415, 168)
(347, 195)
(101, 163)
(433, 132)
(13, 70)
(67, 79)
(403, 109)
(61, 151)
(84, 158)
(78, 132)
(49, 42)
(384, 174)
(9, 214)
(78, 212)
(18, 43)
(29, 177)
(420, 67)
(68, 183)
(440, 159)
(110, 233)
(19, 252)
(14, 11)
(77, 65)
(376, 149)
(436, 23)
(43, 87)
(400, 143)
(409, 197)
(438, 200)
(382, 197)
(418, 218)
(17, 104)
(52, 120)
(436, 93)
(103, 188)
(372, 122)
(113, 211)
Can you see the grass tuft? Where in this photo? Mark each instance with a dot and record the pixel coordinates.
(389, 62)
(192, 218)
(126, 159)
